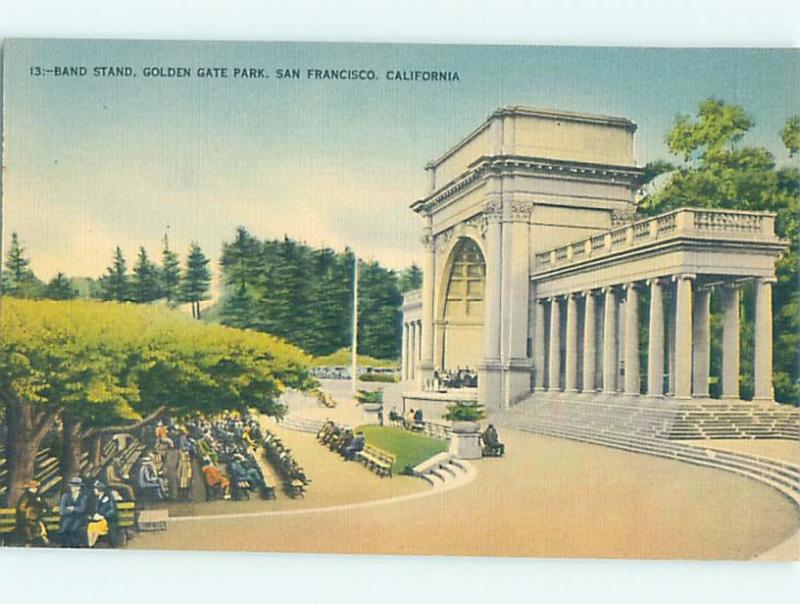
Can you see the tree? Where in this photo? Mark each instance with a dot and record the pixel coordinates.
(145, 285)
(114, 285)
(60, 288)
(170, 275)
(18, 278)
(410, 279)
(717, 172)
(790, 135)
(196, 279)
(102, 368)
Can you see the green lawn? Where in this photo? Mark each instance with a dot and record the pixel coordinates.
(408, 448)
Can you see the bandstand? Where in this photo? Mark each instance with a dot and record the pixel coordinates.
(539, 275)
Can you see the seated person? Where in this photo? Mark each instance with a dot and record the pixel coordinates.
(31, 509)
(215, 480)
(419, 420)
(241, 473)
(357, 444)
(491, 441)
(149, 480)
(247, 438)
(73, 508)
(104, 519)
(113, 478)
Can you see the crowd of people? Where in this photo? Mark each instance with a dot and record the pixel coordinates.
(87, 511)
(447, 379)
(294, 476)
(342, 440)
(224, 446)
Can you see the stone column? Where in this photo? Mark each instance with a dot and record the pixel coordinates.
(730, 341)
(763, 390)
(554, 374)
(683, 336)
(412, 350)
(516, 257)
(701, 342)
(571, 361)
(404, 353)
(490, 386)
(670, 327)
(589, 342)
(632, 385)
(655, 341)
(610, 342)
(428, 277)
(538, 345)
(418, 339)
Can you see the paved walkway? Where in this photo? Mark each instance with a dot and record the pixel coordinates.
(549, 497)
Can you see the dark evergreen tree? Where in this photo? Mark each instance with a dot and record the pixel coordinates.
(145, 286)
(18, 278)
(170, 275)
(196, 279)
(410, 279)
(304, 295)
(115, 285)
(60, 288)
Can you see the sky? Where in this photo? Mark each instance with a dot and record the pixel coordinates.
(95, 162)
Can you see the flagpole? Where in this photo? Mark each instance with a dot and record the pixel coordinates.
(354, 344)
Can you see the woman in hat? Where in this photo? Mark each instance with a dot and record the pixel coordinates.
(104, 519)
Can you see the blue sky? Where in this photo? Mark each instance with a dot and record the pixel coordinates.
(96, 162)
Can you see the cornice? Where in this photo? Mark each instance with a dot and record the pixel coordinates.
(508, 165)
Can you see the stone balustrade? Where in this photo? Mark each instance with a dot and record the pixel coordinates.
(685, 222)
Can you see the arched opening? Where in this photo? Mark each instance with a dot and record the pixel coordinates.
(462, 316)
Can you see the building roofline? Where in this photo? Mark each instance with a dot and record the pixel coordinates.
(571, 116)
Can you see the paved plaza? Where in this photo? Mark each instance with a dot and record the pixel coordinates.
(548, 497)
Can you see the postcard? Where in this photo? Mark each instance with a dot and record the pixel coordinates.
(400, 299)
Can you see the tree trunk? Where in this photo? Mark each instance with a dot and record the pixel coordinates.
(96, 450)
(25, 430)
(198, 309)
(70, 449)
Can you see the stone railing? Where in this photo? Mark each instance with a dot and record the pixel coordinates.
(685, 222)
(412, 298)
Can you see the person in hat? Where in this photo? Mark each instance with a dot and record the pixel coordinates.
(184, 474)
(214, 479)
(149, 480)
(104, 519)
(31, 509)
(241, 472)
(73, 511)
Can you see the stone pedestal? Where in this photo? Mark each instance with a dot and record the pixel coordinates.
(465, 440)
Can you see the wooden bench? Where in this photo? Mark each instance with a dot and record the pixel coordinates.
(377, 460)
(126, 519)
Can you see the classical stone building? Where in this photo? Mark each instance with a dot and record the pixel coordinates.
(539, 276)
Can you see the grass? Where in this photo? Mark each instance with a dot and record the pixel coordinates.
(408, 448)
(342, 358)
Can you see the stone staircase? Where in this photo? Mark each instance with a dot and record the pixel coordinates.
(301, 424)
(646, 430)
(668, 418)
(443, 469)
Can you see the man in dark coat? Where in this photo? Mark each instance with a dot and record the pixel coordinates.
(73, 509)
(31, 509)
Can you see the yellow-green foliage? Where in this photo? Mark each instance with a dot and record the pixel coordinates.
(342, 358)
(106, 361)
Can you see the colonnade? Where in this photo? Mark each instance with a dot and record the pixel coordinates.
(589, 341)
(411, 350)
